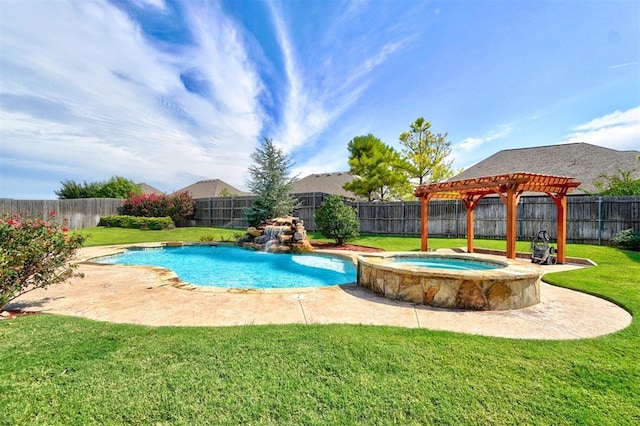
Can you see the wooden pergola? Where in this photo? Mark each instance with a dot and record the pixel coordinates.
(509, 187)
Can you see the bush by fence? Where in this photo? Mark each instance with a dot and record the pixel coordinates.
(136, 222)
(590, 220)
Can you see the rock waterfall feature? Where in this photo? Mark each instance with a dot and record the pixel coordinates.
(279, 235)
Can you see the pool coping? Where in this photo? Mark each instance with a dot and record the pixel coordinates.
(116, 294)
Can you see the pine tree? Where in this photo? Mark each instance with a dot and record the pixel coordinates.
(270, 181)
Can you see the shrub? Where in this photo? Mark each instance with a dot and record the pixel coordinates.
(34, 253)
(627, 239)
(180, 207)
(207, 237)
(134, 222)
(337, 220)
(146, 205)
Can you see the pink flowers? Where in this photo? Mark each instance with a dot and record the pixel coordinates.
(13, 220)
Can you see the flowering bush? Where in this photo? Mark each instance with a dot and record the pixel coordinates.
(146, 205)
(179, 207)
(34, 253)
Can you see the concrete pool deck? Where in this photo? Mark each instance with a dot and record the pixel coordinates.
(149, 296)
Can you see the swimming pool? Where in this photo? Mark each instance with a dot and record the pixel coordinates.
(227, 266)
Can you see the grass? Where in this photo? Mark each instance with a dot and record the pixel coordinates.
(62, 370)
(100, 236)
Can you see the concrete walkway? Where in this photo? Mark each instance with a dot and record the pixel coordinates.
(149, 296)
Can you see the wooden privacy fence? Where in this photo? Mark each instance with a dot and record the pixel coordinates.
(77, 213)
(590, 220)
(228, 212)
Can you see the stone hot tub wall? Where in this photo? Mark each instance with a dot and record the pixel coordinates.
(510, 286)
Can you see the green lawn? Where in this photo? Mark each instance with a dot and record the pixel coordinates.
(62, 370)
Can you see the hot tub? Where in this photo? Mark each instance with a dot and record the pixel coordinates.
(486, 284)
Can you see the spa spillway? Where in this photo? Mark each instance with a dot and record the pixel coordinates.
(456, 281)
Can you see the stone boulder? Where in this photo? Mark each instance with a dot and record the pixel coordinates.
(279, 235)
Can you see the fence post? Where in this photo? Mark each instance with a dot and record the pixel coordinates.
(232, 211)
(404, 218)
(210, 211)
(600, 220)
(457, 218)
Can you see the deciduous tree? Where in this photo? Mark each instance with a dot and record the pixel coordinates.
(619, 184)
(426, 154)
(377, 168)
(116, 187)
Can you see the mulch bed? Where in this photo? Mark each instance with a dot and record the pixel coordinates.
(353, 247)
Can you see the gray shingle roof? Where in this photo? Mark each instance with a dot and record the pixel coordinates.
(329, 183)
(148, 189)
(582, 161)
(210, 188)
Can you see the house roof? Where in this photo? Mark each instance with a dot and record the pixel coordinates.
(329, 183)
(582, 161)
(210, 188)
(148, 189)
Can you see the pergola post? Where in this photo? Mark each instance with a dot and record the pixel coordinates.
(424, 215)
(560, 201)
(469, 230)
(470, 202)
(512, 217)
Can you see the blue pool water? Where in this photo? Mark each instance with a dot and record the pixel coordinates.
(451, 264)
(233, 267)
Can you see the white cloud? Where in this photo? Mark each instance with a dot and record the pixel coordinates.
(628, 64)
(159, 4)
(325, 89)
(618, 130)
(91, 97)
(471, 143)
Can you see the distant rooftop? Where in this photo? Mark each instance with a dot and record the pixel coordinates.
(211, 188)
(582, 161)
(148, 189)
(329, 183)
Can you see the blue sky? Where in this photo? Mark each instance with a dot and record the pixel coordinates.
(170, 92)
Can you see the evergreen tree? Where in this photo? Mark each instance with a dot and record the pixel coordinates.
(270, 181)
